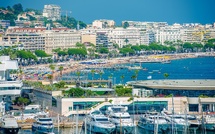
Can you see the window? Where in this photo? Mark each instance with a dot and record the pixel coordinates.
(70, 108)
(193, 107)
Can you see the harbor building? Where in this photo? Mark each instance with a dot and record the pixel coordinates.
(10, 86)
(52, 12)
(148, 96)
(199, 92)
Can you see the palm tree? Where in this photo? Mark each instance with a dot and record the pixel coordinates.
(78, 73)
(100, 74)
(122, 78)
(52, 67)
(92, 72)
(166, 75)
(126, 41)
(61, 69)
(50, 78)
(133, 77)
(136, 73)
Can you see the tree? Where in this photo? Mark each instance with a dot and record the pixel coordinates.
(125, 24)
(23, 101)
(17, 8)
(122, 78)
(103, 50)
(133, 77)
(75, 92)
(60, 69)
(136, 73)
(166, 75)
(126, 41)
(52, 67)
(40, 53)
(92, 72)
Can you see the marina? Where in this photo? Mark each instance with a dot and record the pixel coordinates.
(127, 116)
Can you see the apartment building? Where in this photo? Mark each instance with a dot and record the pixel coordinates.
(30, 41)
(103, 23)
(5, 23)
(145, 25)
(102, 40)
(63, 39)
(146, 37)
(122, 36)
(52, 12)
(88, 38)
(168, 34)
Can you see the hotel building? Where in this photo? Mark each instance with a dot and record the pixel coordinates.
(63, 39)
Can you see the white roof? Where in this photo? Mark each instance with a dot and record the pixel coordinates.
(6, 65)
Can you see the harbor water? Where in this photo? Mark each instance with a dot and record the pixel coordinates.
(81, 131)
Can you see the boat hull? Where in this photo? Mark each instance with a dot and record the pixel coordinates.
(125, 129)
(99, 129)
(210, 127)
(151, 127)
(10, 130)
(42, 130)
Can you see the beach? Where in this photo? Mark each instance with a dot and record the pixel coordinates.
(72, 66)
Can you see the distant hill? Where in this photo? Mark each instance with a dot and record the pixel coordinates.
(11, 13)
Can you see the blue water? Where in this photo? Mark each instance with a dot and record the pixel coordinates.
(192, 68)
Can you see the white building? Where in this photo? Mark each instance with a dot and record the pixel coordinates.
(103, 23)
(52, 12)
(63, 39)
(120, 35)
(145, 25)
(168, 34)
(10, 86)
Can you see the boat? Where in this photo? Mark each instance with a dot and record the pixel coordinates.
(166, 62)
(145, 69)
(192, 120)
(154, 122)
(9, 125)
(209, 122)
(43, 125)
(178, 123)
(97, 122)
(134, 67)
(121, 118)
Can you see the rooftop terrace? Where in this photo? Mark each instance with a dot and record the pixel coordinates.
(185, 84)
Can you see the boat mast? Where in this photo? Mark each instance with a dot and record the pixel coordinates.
(76, 120)
(173, 110)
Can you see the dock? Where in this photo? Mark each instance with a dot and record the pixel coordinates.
(26, 125)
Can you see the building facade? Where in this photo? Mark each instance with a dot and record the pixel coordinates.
(52, 12)
(63, 39)
(103, 24)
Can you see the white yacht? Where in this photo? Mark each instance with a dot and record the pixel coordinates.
(209, 122)
(154, 122)
(192, 120)
(10, 86)
(43, 125)
(178, 122)
(98, 123)
(121, 118)
(9, 125)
